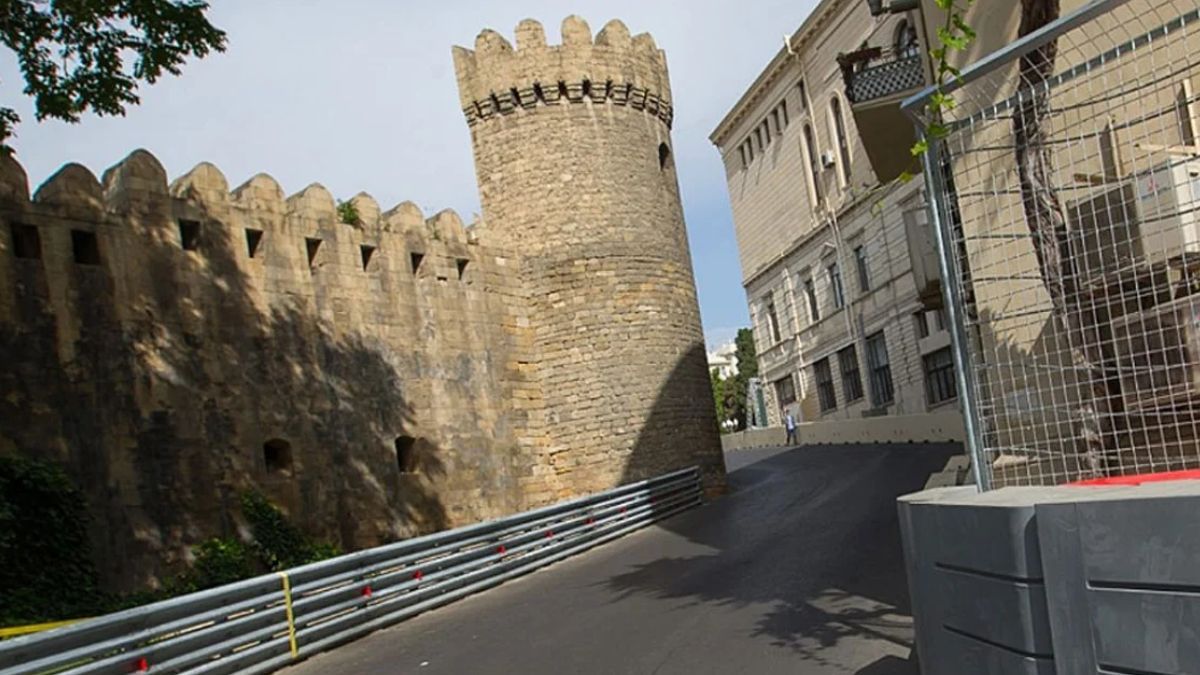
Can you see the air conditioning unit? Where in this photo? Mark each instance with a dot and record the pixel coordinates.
(828, 159)
(1149, 218)
(1158, 356)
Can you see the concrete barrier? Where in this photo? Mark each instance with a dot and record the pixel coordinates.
(1055, 580)
(927, 428)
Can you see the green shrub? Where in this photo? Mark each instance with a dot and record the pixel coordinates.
(220, 561)
(280, 544)
(46, 568)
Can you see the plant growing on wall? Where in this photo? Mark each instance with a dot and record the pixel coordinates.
(46, 569)
(91, 55)
(348, 213)
(278, 543)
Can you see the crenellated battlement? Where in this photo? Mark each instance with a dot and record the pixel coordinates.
(139, 183)
(496, 79)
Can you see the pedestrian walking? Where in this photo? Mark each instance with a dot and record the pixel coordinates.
(789, 422)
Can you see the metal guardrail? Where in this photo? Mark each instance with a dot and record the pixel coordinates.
(265, 623)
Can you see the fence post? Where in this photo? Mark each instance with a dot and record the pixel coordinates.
(948, 267)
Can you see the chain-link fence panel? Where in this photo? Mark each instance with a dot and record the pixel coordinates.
(1065, 193)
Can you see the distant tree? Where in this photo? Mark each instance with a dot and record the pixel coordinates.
(719, 387)
(738, 385)
(82, 55)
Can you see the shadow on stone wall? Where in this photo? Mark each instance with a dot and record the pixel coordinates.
(156, 380)
(681, 428)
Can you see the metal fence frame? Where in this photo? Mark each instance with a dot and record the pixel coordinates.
(265, 623)
(937, 161)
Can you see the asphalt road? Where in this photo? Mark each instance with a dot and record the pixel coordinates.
(798, 570)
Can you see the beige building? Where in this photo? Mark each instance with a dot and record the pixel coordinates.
(723, 360)
(840, 271)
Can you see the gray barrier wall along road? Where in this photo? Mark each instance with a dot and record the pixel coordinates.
(1060, 580)
(265, 623)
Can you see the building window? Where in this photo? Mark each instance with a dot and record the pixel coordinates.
(773, 320)
(758, 139)
(922, 325)
(814, 309)
(860, 264)
(742, 152)
(824, 377)
(366, 253)
(835, 286)
(803, 95)
(775, 119)
(939, 318)
(85, 247)
(851, 379)
(664, 156)
(766, 129)
(784, 112)
(461, 265)
(785, 391)
(406, 454)
(26, 241)
(415, 259)
(814, 166)
(839, 128)
(906, 39)
(880, 370)
(189, 235)
(277, 456)
(939, 377)
(253, 239)
(749, 145)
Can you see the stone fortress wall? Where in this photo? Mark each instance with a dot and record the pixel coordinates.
(574, 162)
(174, 344)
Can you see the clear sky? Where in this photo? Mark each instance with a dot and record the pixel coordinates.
(359, 95)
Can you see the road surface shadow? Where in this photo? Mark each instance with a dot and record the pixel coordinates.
(834, 590)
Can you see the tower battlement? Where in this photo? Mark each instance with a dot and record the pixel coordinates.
(496, 79)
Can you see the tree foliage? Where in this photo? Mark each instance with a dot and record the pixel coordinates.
(718, 388)
(91, 55)
(736, 387)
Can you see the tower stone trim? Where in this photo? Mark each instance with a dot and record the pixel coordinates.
(583, 91)
(495, 79)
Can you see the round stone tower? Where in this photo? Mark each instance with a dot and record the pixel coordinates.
(577, 177)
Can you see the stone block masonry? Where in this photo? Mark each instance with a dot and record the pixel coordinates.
(174, 344)
(574, 162)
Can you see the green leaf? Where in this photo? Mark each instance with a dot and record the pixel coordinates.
(905, 176)
(919, 148)
(967, 31)
(91, 56)
(952, 40)
(938, 130)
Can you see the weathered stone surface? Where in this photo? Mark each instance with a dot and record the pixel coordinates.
(175, 346)
(585, 189)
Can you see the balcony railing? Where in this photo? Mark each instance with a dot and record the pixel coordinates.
(876, 73)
